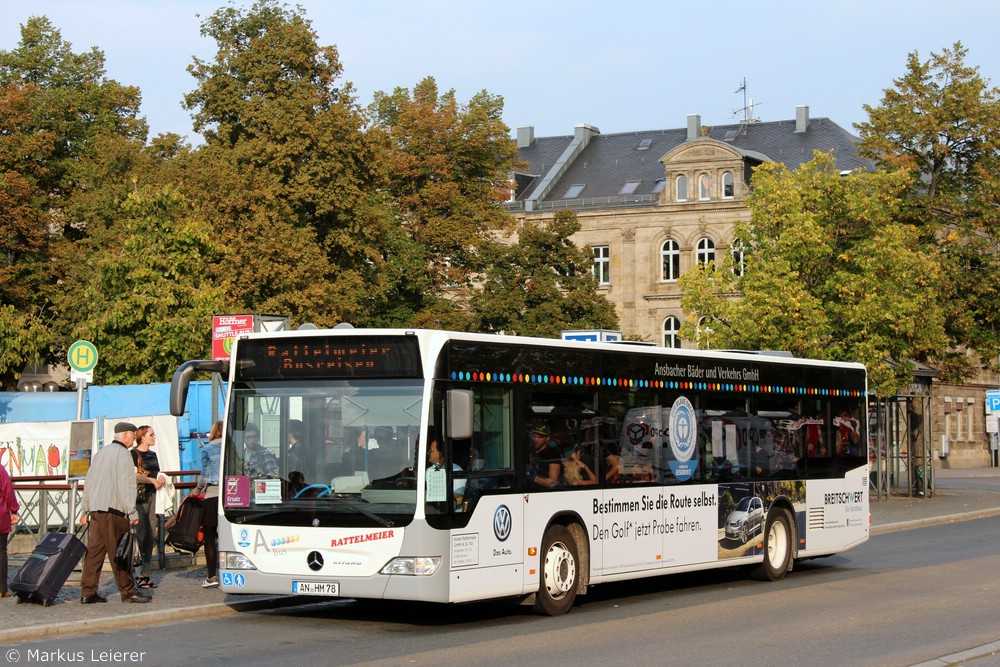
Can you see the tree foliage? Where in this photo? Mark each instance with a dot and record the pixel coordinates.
(941, 120)
(829, 273)
(90, 122)
(141, 289)
(448, 166)
(542, 285)
(287, 174)
(68, 137)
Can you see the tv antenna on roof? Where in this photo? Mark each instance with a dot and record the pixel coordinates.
(748, 105)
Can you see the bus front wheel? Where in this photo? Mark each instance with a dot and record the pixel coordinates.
(777, 547)
(559, 574)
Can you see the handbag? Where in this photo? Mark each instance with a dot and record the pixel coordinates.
(141, 489)
(127, 554)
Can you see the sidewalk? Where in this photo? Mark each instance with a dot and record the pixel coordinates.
(959, 495)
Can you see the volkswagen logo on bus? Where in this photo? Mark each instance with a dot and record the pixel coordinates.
(314, 560)
(502, 523)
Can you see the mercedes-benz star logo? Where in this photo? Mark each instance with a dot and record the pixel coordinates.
(315, 560)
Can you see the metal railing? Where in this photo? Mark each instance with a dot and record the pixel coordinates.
(51, 504)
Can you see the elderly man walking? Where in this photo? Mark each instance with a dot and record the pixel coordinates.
(108, 506)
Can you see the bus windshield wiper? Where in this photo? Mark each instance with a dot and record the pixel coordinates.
(349, 504)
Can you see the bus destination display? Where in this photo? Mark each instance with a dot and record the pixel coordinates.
(329, 357)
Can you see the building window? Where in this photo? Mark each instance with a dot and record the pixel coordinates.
(704, 187)
(728, 185)
(949, 419)
(602, 264)
(658, 185)
(574, 191)
(682, 188)
(737, 254)
(671, 332)
(706, 251)
(629, 188)
(670, 254)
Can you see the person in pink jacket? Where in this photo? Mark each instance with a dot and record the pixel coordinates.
(8, 517)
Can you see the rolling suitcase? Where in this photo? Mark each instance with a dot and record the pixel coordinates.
(48, 567)
(185, 533)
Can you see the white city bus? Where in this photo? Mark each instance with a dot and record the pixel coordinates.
(562, 464)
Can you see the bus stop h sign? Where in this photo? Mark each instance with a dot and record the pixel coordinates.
(82, 358)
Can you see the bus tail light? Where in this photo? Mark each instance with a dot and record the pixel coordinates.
(415, 566)
(233, 560)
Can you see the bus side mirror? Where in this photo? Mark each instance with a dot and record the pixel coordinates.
(182, 380)
(459, 414)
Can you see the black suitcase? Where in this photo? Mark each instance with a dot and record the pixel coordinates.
(185, 532)
(48, 567)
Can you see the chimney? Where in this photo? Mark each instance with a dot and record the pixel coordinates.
(801, 118)
(694, 126)
(525, 136)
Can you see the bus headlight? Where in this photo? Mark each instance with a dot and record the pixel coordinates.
(421, 566)
(232, 560)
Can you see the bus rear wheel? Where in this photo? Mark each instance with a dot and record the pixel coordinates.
(559, 574)
(777, 547)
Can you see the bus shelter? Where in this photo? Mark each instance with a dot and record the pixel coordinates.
(901, 440)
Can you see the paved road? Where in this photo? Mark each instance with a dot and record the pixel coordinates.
(959, 495)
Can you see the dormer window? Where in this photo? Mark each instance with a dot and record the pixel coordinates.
(728, 185)
(682, 188)
(629, 188)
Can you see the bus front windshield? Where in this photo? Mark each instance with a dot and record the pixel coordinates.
(330, 453)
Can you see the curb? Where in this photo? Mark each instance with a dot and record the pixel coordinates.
(934, 521)
(147, 618)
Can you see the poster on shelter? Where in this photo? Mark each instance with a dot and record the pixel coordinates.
(35, 449)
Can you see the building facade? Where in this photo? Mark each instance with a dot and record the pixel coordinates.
(653, 204)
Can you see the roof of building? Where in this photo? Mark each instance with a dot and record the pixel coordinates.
(608, 162)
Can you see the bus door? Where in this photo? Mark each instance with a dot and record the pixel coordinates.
(487, 516)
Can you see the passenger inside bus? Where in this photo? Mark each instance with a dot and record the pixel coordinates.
(576, 472)
(436, 476)
(544, 459)
(258, 461)
(847, 434)
(612, 463)
(297, 455)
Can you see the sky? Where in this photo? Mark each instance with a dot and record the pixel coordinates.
(619, 66)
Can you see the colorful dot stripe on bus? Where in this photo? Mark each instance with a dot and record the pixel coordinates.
(531, 378)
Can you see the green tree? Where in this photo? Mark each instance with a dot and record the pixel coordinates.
(448, 167)
(287, 174)
(542, 285)
(25, 337)
(829, 273)
(91, 122)
(141, 289)
(68, 138)
(941, 120)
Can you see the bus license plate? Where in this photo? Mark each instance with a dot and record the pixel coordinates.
(315, 588)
